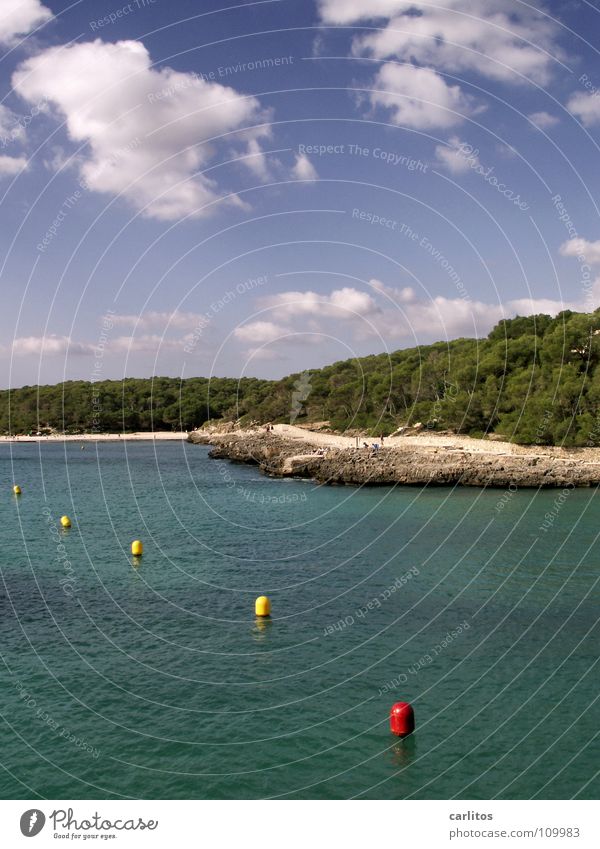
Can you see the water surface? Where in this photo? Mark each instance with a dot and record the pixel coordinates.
(155, 680)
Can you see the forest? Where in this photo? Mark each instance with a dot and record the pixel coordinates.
(532, 380)
(132, 404)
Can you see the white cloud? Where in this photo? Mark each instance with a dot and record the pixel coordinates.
(49, 346)
(447, 318)
(497, 40)
(147, 131)
(20, 17)
(145, 343)
(505, 41)
(456, 157)
(419, 97)
(397, 315)
(586, 107)
(10, 128)
(536, 306)
(53, 345)
(347, 303)
(11, 165)
(58, 159)
(256, 161)
(405, 295)
(260, 332)
(353, 11)
(590, 251)
(267, 354)
(149, 320)
(544, 120)
(406, 315)
(290, 304)
(304, 169)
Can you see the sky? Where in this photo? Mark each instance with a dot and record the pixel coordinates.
(189, 188)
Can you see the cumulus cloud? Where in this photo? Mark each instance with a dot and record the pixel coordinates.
(11, 165)
(54, 345)
(456, 156)
(589, 251)
(543, 120)
(406, 295)
(545, 306)
(304, 169)
(10, 128)
(446, 318)
(259, 332)
(497, 40)
(50, 345)
(153, 319)
(344, 304)
(509, 41)
(256, 161)
(396, 315)
(586, 107)
(146, 132)
(407, 315)
(150, 343)
(419, 97)
(20, 17)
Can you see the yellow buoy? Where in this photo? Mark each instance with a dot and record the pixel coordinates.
(17, 489)
(137, 548)
(262, 606)
(65, 521)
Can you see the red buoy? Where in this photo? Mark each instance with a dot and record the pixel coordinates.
(402, 719)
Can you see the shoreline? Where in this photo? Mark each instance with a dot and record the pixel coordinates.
(137, 436)
(423, 459)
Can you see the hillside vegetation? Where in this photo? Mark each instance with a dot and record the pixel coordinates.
(535, 380)
(133, 404)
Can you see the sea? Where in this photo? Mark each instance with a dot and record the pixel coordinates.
(151, 677)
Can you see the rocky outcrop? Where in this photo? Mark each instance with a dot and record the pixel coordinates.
(409, 465)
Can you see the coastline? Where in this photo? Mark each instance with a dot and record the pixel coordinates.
(139, 436)
(416, 460)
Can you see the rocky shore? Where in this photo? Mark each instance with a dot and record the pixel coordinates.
(293, 452)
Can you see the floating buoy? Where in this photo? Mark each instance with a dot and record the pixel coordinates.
(137, 548)
(262, 606)
(17, 489)
(402, 719)
(65, 521)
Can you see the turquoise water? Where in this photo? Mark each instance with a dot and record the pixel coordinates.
(156, 681)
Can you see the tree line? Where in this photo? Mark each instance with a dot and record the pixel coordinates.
(534, 380)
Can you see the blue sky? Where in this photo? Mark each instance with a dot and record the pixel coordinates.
(189, 189)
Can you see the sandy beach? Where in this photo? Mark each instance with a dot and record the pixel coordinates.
(161, 435)
(456, 442)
